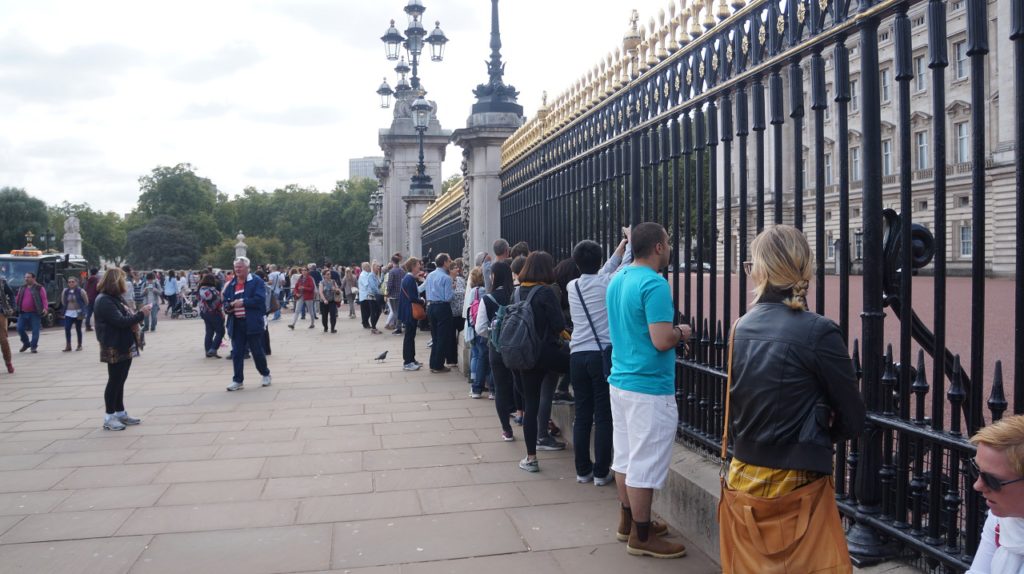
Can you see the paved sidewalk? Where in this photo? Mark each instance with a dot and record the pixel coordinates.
(343, 464)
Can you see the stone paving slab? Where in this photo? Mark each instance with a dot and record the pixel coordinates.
(342, 465)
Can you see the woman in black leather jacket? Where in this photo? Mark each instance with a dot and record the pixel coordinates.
(117, 333)
(794, 390)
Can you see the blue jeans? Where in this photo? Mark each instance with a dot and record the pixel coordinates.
(251, 342)
(88, 316)
(214, 332)
(76, 323)
(149, 323)
(480, 365)
(28, 320)
(593, 408)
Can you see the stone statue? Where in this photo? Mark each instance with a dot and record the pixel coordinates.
(71, 225)
(72, 236)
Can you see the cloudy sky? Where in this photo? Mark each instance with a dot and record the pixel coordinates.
(251, 92)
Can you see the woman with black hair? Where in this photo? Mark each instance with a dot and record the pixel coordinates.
(499, 295)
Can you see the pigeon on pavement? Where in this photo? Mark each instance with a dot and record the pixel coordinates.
(380, 358)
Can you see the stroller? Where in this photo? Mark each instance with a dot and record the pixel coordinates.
(188, 306)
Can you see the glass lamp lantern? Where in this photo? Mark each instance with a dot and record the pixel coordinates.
(421, 111)
(385, 92)
(392, 39)
(437, 40)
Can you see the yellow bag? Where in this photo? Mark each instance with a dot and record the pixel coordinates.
(797, 533)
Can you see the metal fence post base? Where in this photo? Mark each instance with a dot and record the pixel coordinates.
(867, 548)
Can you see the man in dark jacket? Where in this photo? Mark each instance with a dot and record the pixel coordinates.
(31, 305)
(90, 291)
(245, 299)
(394, 285)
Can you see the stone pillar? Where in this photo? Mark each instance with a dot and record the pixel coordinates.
(72, 237)
(481, 139)
(240, 247)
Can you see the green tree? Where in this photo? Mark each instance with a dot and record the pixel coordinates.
(19, 214)
(179, 193)
(261, 251)
(448, 183)
(162, 243)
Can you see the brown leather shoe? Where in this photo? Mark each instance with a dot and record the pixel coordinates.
(67, 349)
(656, 547)
(626, 525)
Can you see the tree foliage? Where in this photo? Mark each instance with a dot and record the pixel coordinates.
(180, 216)
(19, 214)
(260, 250)
(162, 243)
(180, 193)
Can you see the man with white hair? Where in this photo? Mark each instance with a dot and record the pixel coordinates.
(245, 298)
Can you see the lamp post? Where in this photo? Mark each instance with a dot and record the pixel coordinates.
(49, 237)
(413, 43)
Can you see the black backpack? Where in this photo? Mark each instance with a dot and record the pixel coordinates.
(518, 340)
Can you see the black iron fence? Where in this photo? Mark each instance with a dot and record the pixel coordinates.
(444, 232)
(663, 134)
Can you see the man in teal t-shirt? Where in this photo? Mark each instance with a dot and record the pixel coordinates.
(644, 413)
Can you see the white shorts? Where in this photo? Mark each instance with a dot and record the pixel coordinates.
(644, 429)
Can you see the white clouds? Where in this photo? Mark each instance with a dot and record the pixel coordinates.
(251, 92)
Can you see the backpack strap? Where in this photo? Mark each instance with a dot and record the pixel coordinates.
(728, 393)
(589, 320)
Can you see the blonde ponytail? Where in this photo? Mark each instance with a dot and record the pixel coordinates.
(782, 260)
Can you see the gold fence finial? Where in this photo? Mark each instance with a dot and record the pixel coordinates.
(723, 11)
(695, 30)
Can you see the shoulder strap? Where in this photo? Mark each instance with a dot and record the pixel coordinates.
(589, 320)
(728, 387)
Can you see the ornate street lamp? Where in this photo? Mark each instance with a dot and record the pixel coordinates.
(413, 41)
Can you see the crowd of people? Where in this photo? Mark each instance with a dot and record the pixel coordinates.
(534, 328)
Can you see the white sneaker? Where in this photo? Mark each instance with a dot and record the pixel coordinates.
(411, 367)
(235, 386)
(266, 380)
(583, 479)
(599, 481)
(475, 395)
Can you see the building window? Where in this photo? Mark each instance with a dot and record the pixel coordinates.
(883, 84)
(858, 246)
(922, 150)
(828, 216)
(920, 69)
(917, 22)
(966, 240)
(963, 142)
(884, 36)
(831, 246)
(804, 168)
(960, 65)
(855, 164)
(963, 201)
(922, 205)
(854, 96)
(886, 157)
(828, 169)
(828, 98)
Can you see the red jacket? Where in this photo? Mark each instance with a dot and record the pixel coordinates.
(91, 284)
(306, 288)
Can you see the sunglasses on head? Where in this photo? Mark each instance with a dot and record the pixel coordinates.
(993, 483)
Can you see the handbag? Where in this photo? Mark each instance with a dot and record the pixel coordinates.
(796, 533)
(419, 312)
(606, 351)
